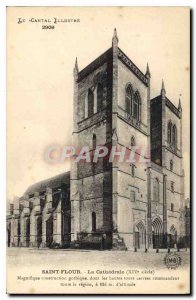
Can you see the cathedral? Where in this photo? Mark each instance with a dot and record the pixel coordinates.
(111, 204)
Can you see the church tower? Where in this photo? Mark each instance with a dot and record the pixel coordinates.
(112, 108)
(125, 203)
(91, 183)
(166, 156)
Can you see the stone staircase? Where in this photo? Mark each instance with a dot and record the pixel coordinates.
(118, 242)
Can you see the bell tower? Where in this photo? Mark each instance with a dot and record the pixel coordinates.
(91, 182)
(166, 152)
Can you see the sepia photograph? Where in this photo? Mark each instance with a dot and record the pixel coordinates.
(98, 150)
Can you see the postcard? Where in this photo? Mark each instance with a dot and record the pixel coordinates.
(98, 150)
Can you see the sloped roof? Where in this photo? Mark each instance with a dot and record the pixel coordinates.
(53, 182)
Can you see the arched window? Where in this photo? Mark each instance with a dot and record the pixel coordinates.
(171, 165)
(169, 129)
(93, 221)
(174, 136)
(90, 103)
(136, 106)
(156, 190)
(99, 97)
(128, 99)
(94, 141)
(132, 141)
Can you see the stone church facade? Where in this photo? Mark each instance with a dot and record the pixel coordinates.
(120, 205)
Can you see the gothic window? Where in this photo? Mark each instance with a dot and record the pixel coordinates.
(93, 221)
(99, 97)
(169, 128)
(136, 106)
(128, 99)
(132, 196)
(132, 141)
(90, 103)
(132, 170)
(174, 136)
(172, 207)
(171, 165)
(156, 190)
(94, 141)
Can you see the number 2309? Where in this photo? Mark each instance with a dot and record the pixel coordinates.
(48, 27)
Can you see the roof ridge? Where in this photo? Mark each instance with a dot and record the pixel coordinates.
(40, 184)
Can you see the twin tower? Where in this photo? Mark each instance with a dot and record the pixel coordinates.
(127, 205)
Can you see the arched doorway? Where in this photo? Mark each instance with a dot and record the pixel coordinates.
(157, 233)
(140, 235)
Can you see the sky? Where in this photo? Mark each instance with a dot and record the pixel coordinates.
(40, 75)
